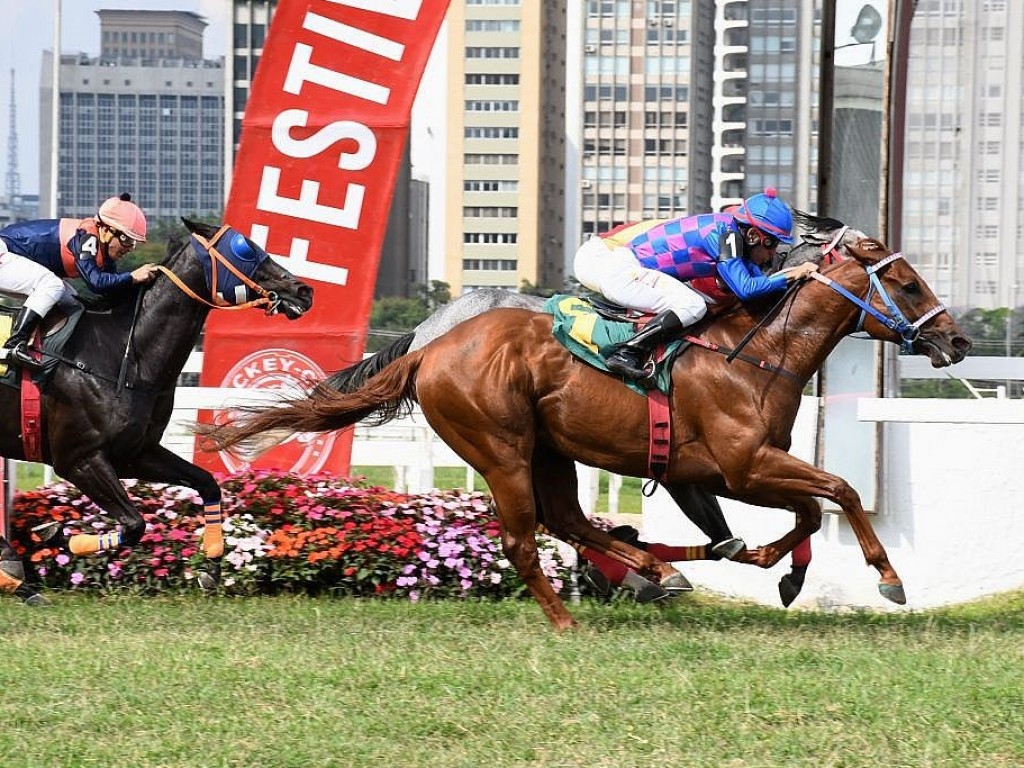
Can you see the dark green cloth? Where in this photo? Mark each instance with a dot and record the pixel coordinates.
(589, 337)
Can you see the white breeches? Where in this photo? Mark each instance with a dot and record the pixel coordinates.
(617, 275)
(39, 285)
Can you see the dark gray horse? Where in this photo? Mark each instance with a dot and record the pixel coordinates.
(108, 398)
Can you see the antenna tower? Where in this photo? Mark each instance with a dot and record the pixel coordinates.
(13, 177)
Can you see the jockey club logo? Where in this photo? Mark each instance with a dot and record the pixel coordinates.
(282, 370)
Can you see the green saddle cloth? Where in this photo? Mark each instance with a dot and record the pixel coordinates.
(588, 336)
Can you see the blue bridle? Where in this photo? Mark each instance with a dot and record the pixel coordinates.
(895, 320)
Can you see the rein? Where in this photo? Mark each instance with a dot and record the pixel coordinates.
(895, 320)
(266, 298)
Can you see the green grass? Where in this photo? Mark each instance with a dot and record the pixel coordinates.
(285, 682)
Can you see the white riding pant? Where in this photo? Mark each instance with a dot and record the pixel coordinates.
(39, 285)
(617, 275)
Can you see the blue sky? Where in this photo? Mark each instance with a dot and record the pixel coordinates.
(29, 30)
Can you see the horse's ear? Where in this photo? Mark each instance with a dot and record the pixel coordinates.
(868, 250)
(199, 227)
(816, 229)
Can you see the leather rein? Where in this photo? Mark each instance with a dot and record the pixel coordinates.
(893, 318)
(267, 299)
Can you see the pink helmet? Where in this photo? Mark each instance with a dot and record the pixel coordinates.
(125, 216)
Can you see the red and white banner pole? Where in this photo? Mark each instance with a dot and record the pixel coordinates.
(323, 134)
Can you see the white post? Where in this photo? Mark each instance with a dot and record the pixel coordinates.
(614, 489)
(55, 112)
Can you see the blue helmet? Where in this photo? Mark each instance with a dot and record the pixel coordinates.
(768, 213)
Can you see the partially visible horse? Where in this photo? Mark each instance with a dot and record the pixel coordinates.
(512, 402)
(109, 395)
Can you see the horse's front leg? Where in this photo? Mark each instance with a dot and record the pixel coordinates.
(159, 464)
(778, 479)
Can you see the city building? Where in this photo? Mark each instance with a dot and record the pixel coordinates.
(145, 117)
(505, 190)
(963, 210)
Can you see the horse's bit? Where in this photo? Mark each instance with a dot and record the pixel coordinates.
(895, 320)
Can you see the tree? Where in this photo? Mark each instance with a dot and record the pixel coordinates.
(392, 317)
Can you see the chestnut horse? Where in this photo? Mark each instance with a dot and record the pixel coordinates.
(515, 405)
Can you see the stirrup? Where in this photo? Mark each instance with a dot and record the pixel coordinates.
(623, 365)
(18, 355)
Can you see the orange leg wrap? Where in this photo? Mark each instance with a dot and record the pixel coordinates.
(91, 543)
(8, 583)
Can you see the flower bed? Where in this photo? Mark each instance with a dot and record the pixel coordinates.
(286, 533)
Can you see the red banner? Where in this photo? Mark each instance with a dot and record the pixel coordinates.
(322, 138)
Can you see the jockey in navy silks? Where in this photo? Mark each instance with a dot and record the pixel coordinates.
(35, 255)
(674, 268)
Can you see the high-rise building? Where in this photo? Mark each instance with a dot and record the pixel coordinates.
(505, 191)
(963, 202)
(647, 110)
(147, 117)
(769, 71)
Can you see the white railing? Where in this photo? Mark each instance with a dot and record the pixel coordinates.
(409, 445)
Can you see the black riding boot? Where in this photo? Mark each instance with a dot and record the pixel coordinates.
(630, 358)
(25, 325)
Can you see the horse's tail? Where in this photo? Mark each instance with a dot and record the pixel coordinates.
(380, 399)
(353, 377)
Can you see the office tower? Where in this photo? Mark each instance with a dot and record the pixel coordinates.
(769, 74)
(147, 117)
(963, 169)
(647, 110)
(505, 197)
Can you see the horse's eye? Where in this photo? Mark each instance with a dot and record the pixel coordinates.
(912, 287)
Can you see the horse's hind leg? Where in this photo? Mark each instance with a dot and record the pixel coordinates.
(12, 577)
(504, 465)
(159, 464)
(555, 486)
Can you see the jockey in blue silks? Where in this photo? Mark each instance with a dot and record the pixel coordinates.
(674, 268)
(35, 255)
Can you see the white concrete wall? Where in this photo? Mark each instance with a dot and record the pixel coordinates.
(951, 514)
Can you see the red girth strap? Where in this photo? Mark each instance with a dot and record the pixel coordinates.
(31, 426)
(660, 434)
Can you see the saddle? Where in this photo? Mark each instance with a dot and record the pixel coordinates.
(52, 335)
(587, 326)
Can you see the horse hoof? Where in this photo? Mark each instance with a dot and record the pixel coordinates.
(729, 548)
(650, 593)
(208, 582)
(893, 593)
(788, 590)
(676, 583)
(51, 534)
(29, 596)
(37, 601)
(13, 568)
(598, 582)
